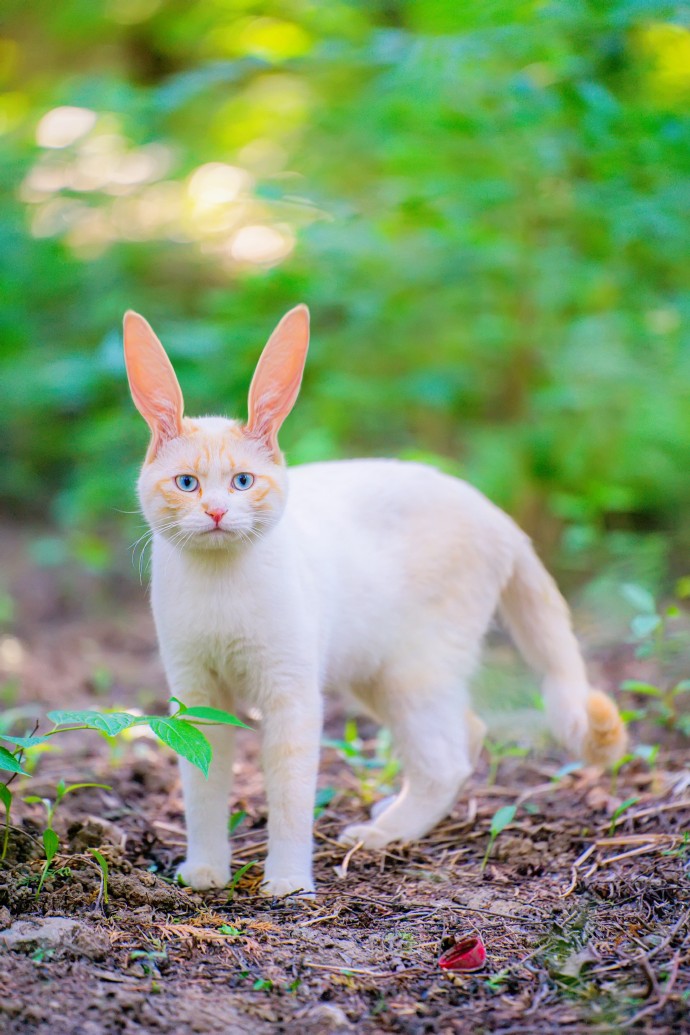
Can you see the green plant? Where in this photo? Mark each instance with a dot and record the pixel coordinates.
(646, 753)
(375, 769)
(502, 818)
(179, 731)
(61, 791)
(51, 844)
(660, 636)
(6, 798)
(237, 877)
(620, 811)
(103, 865)
(236, 819)
(498, 752)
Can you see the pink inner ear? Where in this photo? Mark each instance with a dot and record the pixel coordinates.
(154, 387)
(278, 376)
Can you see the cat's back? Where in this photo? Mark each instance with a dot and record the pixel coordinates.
(389, 496)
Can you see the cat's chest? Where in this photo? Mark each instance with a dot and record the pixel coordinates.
(226, 626)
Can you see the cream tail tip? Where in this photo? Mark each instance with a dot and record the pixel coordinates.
(606, 738)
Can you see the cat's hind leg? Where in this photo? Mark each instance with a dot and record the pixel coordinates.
(476, 731)
(430, 732)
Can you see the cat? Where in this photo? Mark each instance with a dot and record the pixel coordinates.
(376, 577)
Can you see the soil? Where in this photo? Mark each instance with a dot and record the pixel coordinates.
(582, 905)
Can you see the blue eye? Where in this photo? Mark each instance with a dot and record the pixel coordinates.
(243, 481)
(187, 482)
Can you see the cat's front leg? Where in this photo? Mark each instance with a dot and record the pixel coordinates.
(206, 813)
(290, 753)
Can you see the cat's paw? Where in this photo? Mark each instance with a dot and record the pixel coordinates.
(381, 805)
(368, 834)
(203, 876)
(279, 887)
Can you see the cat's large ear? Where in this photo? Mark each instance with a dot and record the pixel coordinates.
(152, 382)
(278, 376)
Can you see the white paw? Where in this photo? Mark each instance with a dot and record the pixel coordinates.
(369, 834)
(381, 805)
(202, 876)
(279, 887)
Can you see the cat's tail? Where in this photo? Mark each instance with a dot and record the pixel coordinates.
(584, 720)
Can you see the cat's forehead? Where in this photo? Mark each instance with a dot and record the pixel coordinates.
(214, 443)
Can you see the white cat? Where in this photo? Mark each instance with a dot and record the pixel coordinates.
(376, 577)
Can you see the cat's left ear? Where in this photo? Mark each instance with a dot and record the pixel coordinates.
(278, 376)
(152, 382)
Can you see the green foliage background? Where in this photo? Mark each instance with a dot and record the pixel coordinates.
(484, 204)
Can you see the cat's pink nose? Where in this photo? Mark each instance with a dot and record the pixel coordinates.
(217, 515)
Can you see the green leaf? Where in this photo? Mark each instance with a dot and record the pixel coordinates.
(640, 598)
(51, 844)
(184, 739)
(647, 752)
(9, 762)
(103, 863)
(25, 742)
(110, 723)
(502, 818)
(82, 786)
(681, 688)
(643, 625)
(623, 807)
(235, 820)
(237, 877)
(213, 715)
(6, 796)
(634, 686)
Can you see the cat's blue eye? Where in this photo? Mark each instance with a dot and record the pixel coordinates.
(243, 481)
(187, 482)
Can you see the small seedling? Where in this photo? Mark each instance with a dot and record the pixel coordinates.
(51, 844)
(236, 819)
(498, 752)
(375, 771)
(324, 797)
(646, 752)
(617, 813)
(502, 818)
(237, 877)
(232, 932)
(6, 799)
(262, 985)
(61, 791)
(149, 958)
(103, 890)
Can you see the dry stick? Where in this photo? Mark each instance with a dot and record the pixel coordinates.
(643, 850)
(653, 952)
(670, 806)
(660, 1003)
(574, 871)
(362, 970)
(342, 869)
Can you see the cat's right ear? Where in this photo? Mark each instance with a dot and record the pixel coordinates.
(152, 382)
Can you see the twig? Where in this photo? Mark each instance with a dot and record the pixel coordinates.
(643, 850)
(342, 869)
(361, 970)
(581, 859)
(659, 1004)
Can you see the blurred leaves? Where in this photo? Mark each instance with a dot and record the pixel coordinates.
(484, 206)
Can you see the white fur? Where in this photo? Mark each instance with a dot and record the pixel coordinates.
(379, 579)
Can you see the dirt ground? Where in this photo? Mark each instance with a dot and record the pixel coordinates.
(584, 913)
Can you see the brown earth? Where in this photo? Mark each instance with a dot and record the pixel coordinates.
(584, 914)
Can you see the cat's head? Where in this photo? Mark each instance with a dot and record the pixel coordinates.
(210, 483)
